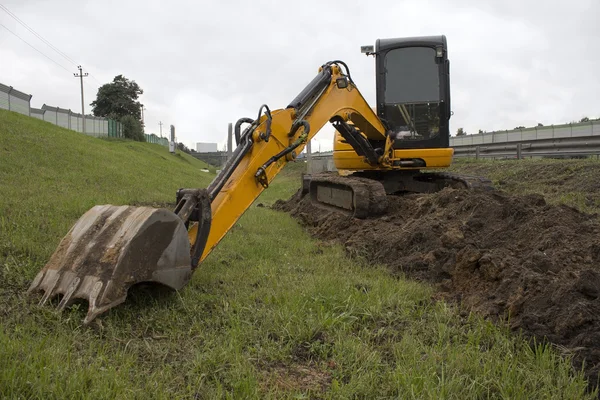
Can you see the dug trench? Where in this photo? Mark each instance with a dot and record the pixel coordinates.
(512, 259)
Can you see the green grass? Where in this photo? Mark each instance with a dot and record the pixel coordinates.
(571, 182)
(271, 313)
(50, 176)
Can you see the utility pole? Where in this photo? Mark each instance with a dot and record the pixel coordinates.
(81, 75)
(160, 124)
(229, 140)
(172, 144)
(308, 157)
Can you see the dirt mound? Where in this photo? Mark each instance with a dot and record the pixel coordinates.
(573, 182)
(506, 257)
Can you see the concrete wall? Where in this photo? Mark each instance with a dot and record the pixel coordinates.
(318, 164)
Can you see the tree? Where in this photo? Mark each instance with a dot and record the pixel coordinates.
(132, 128)
(480, 132)
(518, 127)
(460, 132)
(118, 99)
(584, 119)
(183, 147)
(540, 124)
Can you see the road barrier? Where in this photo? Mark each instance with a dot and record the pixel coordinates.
(564, 147)
(570, 140)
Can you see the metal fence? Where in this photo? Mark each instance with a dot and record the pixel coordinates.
(152, 138)
(14, 100)
(569, 140)
(17, 101)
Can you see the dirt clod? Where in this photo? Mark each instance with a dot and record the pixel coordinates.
(510, 258)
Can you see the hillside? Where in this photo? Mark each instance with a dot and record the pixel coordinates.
(271, 313)
(575, 183)
(49, 176)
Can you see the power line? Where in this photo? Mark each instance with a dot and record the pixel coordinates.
(30, 29)
(94, 78)
(90, 86)
(30, 45)
(37, 34)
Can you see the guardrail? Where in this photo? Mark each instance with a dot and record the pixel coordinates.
(563, 147)
(570, 140)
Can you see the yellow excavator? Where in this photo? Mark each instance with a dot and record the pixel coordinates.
(111, 248)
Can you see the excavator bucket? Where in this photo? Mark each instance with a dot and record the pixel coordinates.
(111, 248)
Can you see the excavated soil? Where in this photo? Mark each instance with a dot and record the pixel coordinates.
(509, 258)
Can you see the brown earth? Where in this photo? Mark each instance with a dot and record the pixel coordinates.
(510, 258)
(572, 182)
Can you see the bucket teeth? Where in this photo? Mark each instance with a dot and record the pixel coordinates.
(66, 300)
(49, 285)
(110, 249)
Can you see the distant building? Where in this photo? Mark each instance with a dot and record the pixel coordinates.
(206, 147)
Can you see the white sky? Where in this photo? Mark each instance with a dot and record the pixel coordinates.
(203, 64)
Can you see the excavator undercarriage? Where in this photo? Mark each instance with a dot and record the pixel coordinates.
(364, 194)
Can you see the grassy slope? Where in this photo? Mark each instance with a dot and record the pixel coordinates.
(572, 182)
(50, 176)
(271, 313)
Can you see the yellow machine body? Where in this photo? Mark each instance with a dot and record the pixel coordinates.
(346, 159)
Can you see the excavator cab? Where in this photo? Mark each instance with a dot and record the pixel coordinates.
(413, 102)
(413, 90)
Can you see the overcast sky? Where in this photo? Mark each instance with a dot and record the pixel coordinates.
(203, 64)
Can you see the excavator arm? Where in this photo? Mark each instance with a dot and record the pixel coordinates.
(275, 138)
(111, 248)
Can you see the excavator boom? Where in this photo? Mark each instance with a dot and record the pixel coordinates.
(112, 248)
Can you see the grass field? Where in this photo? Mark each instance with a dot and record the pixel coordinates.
(572, 182)
(270, 314)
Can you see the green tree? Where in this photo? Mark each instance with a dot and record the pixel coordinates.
(118, 99)
(183, 147)
(480, 132)
(460, 132)
(584, 119)
(132, 128)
